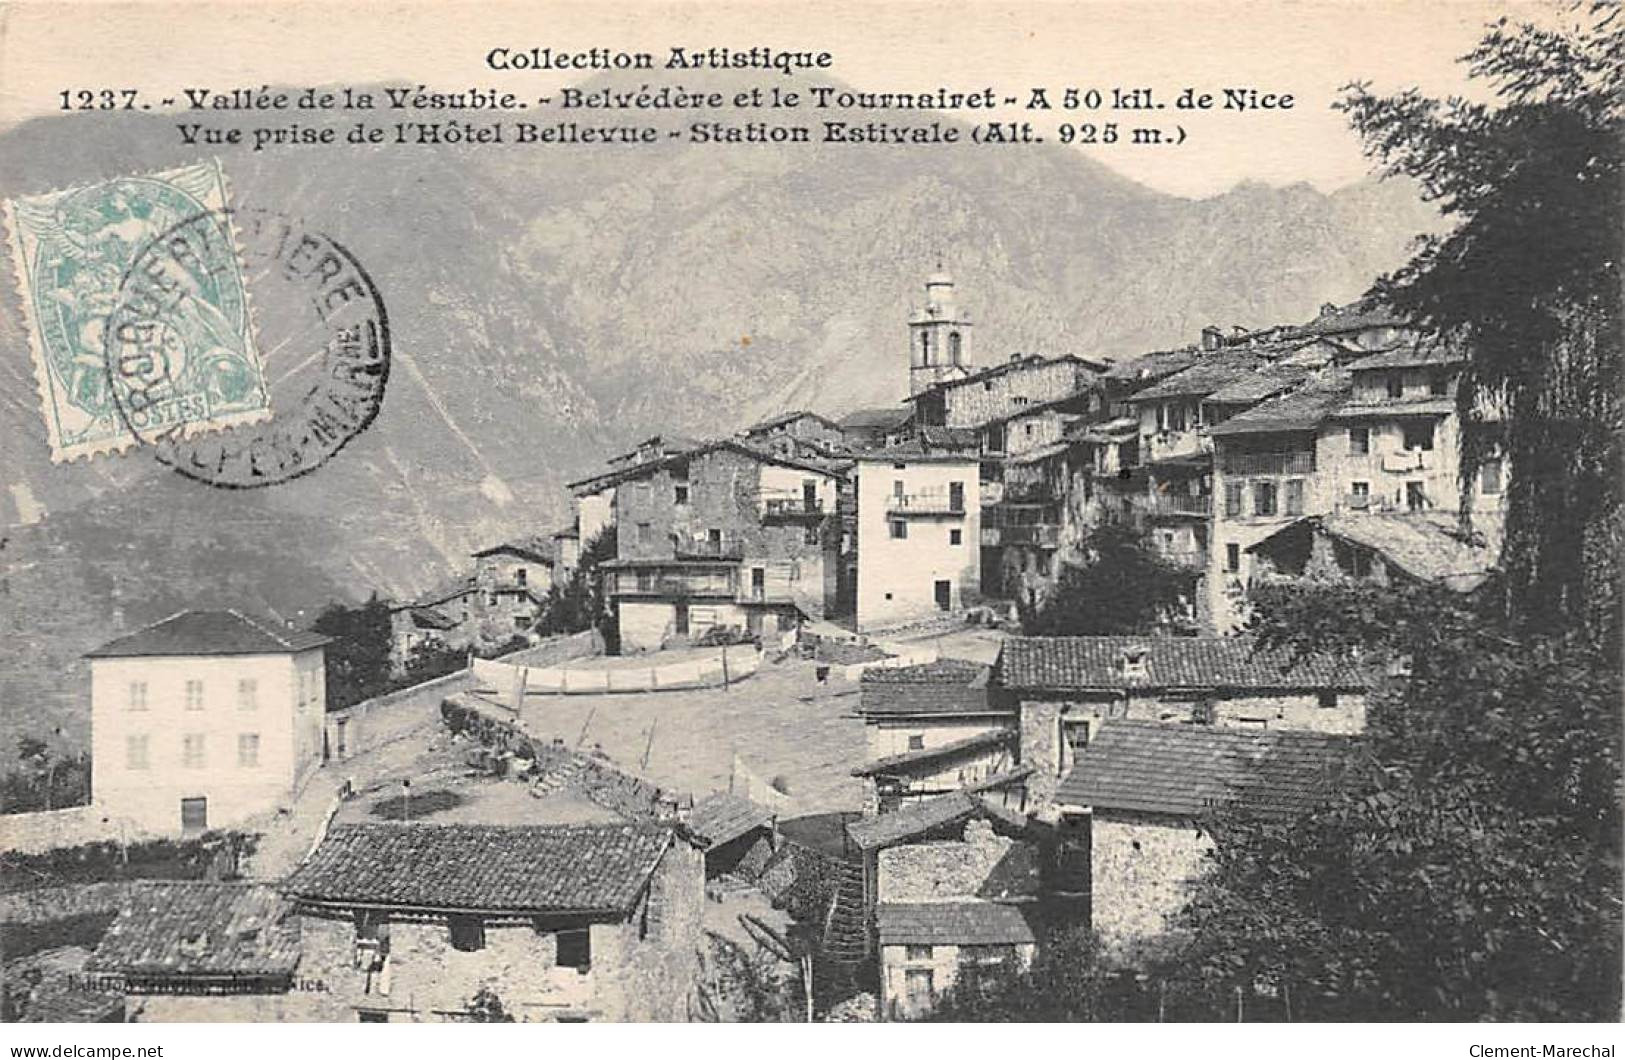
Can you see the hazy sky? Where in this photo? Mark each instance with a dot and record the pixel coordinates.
(1307, 49)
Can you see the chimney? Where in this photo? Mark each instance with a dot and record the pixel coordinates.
(1212, 337)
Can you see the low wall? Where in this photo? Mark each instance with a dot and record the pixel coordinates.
(912, 655)
(34, 833)
(729, 665)
(384, 719)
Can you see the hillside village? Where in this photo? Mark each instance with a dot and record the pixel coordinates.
(804, 736)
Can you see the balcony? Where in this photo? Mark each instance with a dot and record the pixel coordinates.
(1035, 535)
(791, 505)
(1177, 504)
(697, 546)
(1296, 462)
(925, 502)
(721, 584)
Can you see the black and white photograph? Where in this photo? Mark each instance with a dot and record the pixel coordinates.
(923, 512)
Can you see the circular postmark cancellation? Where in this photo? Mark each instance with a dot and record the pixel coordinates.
(322, 329)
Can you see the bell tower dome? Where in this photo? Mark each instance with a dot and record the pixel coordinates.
(939, 336)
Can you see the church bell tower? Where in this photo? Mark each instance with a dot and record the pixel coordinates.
(939, 336)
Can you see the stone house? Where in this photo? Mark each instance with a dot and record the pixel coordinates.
(593, 497)
(869, 428)
(511, 580)
(738, 836)
(205, 719)
(1065, 688)
(1005, 389)
(724, 535)
(936, 829)
(918, 534)
(1381, 548)
(949, 904)
(932, 729)
(564, 923)
(441, 617)
(796, 433)
(1143, 796)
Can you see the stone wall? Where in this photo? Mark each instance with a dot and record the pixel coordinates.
(1141, 869)
(982, 865)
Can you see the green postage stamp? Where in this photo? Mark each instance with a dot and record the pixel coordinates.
(73, 251)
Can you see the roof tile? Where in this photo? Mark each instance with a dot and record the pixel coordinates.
(1065, 663)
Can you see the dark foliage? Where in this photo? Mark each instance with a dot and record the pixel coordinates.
(45, 781)
(1122, 587)
(358, 659)
(158, 859)
(1529, 284)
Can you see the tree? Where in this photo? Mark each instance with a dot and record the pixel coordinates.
(1477, 874)
(1067, 982)
(1528, 283)
(358, 660)
(581, 603)
(486, 1007)
(1121, 587)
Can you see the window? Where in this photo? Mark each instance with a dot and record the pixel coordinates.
(1419, 435)
(575, 949)
(956, 537)
(135, 752)
(1416, 498)
(1041, 561)
(467, 933)
(138, 695)
(520, 622)
(1438, 386)
(643, 533)
(918, 987)
(1019, 402)
(1029, 430)
(917, 953)
(1293, 498)
(1489, 476)
(192, 750)
(899, 529)
(810, 536)
(1328, 700)
(519, 576)
(1232, 498)
(1264, 499)
(916, 742)
(1359, 441)
(1360, 491)
(680, 619)
(248, 750)
(248, 690)
(1396, 385)
(679, 493)
(1232, 557)
(194, 695)
(956, 496)
(954, 347)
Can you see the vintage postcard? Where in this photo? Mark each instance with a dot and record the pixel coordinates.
(876, 512)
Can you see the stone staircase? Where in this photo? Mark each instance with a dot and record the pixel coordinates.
(846, 928)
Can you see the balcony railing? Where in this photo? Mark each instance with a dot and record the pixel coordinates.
(725, 547)
(1177, 504)
(1037, 535)
(698, 583)
(791, 508)
(926, 502)
(1296, 462)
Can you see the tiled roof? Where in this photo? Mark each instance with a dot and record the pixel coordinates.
(1392, 407)
(722, 818)
(924, 817)
(1158, 364)
(429, 618)
(909, 759)
(947, 686)
(1187, 770)
(1070, 663)
(788, 417)
(1423, 546)
(1256, 386)
(946, 438)
(209, 633)
(965, 923)
(1410, 355)
(868, 419)
(1213, 371)
(531, 548)
(560, 868)
(450, 589)
(1303, 409)
(50, 986)
(196, 929)
(1334, 319)
(636, 471)
(1015, 363)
